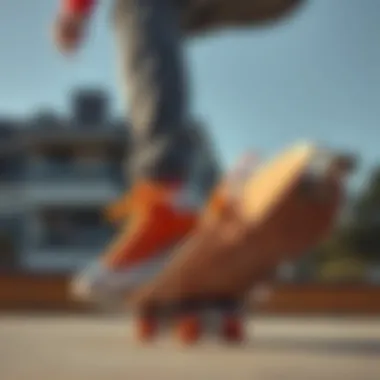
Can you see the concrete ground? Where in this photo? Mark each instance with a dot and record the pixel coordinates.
(81, 348)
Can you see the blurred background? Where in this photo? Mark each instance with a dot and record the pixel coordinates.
(64, 140)
(58, 174)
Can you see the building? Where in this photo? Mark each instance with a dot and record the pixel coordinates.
(56, 176)
(90, 108)
(10, 169)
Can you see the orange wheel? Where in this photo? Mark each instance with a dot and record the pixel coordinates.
(233, 330)
(146, 328)
(189, 329)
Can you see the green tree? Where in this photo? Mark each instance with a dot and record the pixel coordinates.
(363, 233)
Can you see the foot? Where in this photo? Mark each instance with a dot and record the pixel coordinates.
(157, 221)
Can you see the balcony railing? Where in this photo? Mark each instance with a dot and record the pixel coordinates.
(9, 175)
(76, 238)
(47, 171)
(11, 170)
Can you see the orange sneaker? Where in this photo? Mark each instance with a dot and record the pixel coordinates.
(157, 221)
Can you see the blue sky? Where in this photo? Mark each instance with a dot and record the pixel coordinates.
(314, 77)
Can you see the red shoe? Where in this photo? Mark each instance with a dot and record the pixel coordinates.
(155, 224)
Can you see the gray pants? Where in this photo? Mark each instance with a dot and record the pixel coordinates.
(149, 40)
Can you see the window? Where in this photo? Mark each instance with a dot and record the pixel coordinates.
(10, 167)
(59, 155)
(74, 229)
(8, 257)
(10, 232)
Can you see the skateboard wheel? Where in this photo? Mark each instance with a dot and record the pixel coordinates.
(232, 330)
(189, 329)
(146, 328)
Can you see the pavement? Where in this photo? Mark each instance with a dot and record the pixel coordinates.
(81, 348)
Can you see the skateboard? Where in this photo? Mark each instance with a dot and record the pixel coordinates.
(283, 209)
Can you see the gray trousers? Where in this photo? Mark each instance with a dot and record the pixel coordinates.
(150, 34)
(149, 40)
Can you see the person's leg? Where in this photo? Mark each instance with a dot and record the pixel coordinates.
(149, 41)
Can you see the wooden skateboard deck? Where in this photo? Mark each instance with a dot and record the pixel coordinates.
(286, 207)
